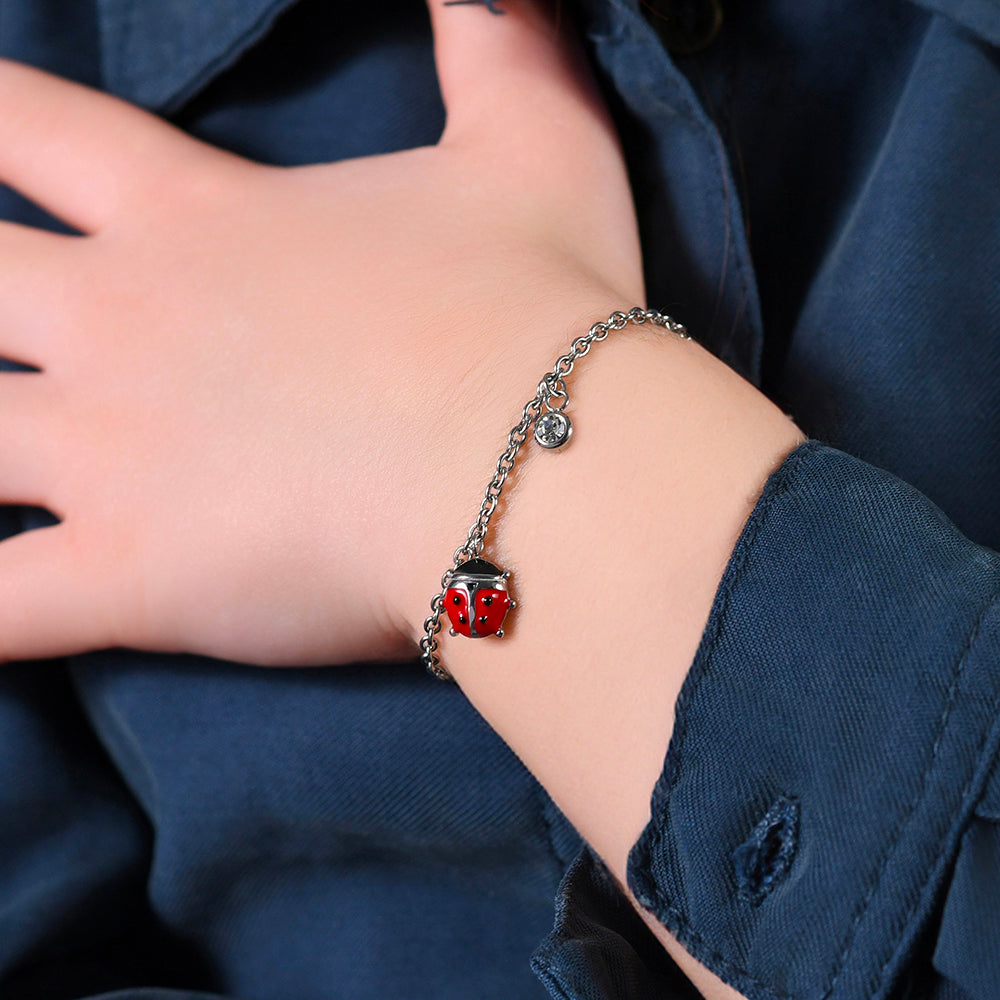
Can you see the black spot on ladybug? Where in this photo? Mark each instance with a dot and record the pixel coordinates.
(461, 619)
(482, 619)
(456, 599)
(487, 601)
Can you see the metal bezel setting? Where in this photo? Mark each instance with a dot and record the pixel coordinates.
(547, 439)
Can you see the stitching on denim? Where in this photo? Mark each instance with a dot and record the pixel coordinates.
(227, 57)
(992, 731)
(775, 489)
(961, 664)
(744, 979)
(734, 224)
(125, 74)
(694, 114)
(632, 27)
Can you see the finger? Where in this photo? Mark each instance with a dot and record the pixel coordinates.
(76, 152)
(28, 463)
(53, 601)
(493, 55)
(35, 270)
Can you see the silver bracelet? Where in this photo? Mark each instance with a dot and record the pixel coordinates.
(474, 591)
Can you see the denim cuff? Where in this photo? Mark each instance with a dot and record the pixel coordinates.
(832, 750)
(834, 734)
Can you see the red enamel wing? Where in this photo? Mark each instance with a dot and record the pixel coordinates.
(477, 600)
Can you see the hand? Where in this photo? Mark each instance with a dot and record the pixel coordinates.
(260, 391)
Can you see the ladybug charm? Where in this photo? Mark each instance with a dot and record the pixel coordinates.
(477, 600)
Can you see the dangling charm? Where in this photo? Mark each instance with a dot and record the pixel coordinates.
(477, 600)
(474, 593)
(552, 429)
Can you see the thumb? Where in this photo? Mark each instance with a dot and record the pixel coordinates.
(522, 105)
(497, 58)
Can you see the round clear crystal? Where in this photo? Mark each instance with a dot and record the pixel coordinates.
(552, 429)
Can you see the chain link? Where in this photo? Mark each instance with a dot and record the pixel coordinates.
(552, 395)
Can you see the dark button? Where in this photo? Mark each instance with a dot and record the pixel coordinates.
(685, 26)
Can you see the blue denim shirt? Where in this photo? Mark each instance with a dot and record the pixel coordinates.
(819, 201)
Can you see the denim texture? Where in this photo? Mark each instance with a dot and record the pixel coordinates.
(875, 707)
(818, 202)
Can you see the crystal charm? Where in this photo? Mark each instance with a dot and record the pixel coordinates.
(552, 429)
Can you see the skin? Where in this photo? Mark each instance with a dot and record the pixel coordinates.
(250, 411)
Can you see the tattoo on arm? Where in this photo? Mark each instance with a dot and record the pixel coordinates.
(490, 5)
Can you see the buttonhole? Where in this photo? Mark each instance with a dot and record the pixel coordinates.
(764, 858)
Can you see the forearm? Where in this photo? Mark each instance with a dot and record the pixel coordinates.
(616, 544)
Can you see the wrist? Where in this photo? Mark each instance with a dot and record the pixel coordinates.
(446, 476)
(616, 545)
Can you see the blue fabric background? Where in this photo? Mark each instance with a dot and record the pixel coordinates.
(818, 202)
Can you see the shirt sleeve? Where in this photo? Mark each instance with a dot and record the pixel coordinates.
(826, 822)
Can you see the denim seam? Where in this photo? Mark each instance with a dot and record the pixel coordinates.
(990, 736)
(921, 794)
(735, 225)
(117, 66)
(777, 487)
(224, 59)
(690, 110)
